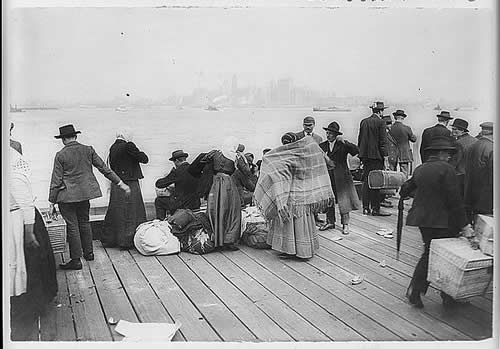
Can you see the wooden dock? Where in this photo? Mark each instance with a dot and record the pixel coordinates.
(253, 295)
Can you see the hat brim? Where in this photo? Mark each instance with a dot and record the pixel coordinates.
(440, 148)
(460, 128)
(67, 134)
(444, 117)
(183, 155)
(334, 131)
(377, 108)
(403, 115)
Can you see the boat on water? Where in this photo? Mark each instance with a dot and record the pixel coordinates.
(122, 109)
(466, 109)
(437, 107)
(212, 108)
(15, 109)
(331, 109)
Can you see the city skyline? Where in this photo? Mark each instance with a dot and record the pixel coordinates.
(430, 54)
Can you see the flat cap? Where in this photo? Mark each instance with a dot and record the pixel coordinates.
(487, 125)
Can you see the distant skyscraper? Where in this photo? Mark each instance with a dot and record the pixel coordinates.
(284, 91)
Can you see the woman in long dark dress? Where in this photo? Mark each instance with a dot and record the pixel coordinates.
(124, 212)
(32, 266)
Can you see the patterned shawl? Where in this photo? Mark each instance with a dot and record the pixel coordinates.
(293, 181)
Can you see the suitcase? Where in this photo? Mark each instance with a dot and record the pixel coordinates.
(484, 228)
(458, 270)
(381, 179)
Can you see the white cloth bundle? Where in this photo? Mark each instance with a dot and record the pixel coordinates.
(154, 238)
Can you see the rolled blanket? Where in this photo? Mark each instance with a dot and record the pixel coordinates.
(293, 180)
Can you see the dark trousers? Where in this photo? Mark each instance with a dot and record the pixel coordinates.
(371, 198)
(164, 205)
(419, 281)
(79, 233)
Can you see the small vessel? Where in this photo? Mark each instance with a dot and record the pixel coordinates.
(122, 108)
(331, 109)
(212, 108)
(465, 108)
(437, 107)
(15, 109)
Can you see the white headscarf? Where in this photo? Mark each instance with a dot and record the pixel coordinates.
(228, 148)
(125, 133)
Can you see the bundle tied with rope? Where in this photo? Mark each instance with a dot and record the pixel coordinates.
(293, 181)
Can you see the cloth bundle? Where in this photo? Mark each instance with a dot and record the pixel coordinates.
(193, 231)
(155, 238)
(293, 181)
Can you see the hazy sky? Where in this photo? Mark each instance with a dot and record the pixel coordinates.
(76, 54)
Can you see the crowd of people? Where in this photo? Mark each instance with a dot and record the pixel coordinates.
(291, 185)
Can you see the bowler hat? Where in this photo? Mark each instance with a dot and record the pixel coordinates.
(378, 106)
(178, 154)
(67, 131)
(460, 124)
(440, 143)
(488, 125)
(444, 114)
(309, 120)
(399, 112)
(333, 127)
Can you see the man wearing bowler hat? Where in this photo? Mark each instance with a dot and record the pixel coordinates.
(72, 186)
(403, 135)
(437, 209)
(308, 125)
(478, 194)
(440, 129)
(463, 141)
(373, 152)
(185, 192)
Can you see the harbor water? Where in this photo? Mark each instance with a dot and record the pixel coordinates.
(160, 130)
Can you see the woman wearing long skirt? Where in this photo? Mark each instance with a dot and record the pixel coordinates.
(33, 282)
(125, 212)
(293, 186)
(223, 204)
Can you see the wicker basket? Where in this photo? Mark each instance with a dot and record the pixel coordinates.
(457, 269)
(57, 233)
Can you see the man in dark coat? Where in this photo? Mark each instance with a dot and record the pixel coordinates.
(72, 185)
(403, 135)
(437, 209)
(479, 173)
(308, 125)
(336, 149)
(373, 152)
(186, 193)
(463, 141)
(440, 129)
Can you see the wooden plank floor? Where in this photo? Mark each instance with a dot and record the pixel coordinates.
(255, 296)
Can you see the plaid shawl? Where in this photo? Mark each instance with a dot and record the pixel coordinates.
(293, 180)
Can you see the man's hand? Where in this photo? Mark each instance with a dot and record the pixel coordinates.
(467, 231)
(386, 162)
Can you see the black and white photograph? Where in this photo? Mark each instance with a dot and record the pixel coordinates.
(250, 172)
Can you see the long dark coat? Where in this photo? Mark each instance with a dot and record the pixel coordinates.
(372, 138)
(437, 202)
(340, 176)
(403, 135)
(479, 176)
(124, 159)
(428, 135)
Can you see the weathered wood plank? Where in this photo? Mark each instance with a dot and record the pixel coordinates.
(460, 318)
(326, 322)
(146, 304)
(225, 323)
(57, 323)
(90, 321)
(298, 270)
(194, 326)
(351, 316)
(113, 298)
(248, 313)
(281, 313)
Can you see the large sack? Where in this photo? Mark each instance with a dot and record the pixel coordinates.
(200, 242)
(181, 219)
(154, 238)
(255, 235)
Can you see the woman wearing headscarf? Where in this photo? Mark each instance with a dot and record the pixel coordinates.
(33, 282)
(124, 212)
(223, 204)
(293, 186)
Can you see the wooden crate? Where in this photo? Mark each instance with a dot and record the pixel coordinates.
(457, 269)
(484, 228)
(57, 234)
